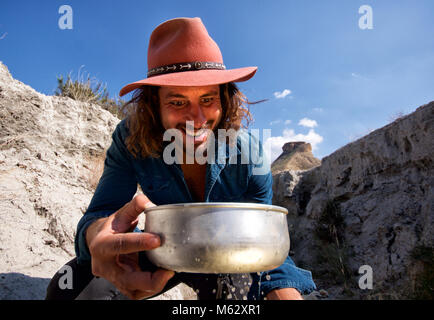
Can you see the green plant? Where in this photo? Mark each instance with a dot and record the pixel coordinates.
(85, 88)
(330, 225)
(88, 89)
(114, 106)
(334, 259)
(424, 282)
(333, 253)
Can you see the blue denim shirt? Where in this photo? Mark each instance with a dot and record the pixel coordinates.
(229, 179)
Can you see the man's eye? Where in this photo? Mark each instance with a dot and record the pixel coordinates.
(207, 100)
(177, 103)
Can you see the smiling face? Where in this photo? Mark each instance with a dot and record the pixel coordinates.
(198, 104)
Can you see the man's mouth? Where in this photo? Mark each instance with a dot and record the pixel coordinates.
(197, 135)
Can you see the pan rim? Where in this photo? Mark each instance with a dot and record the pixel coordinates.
(234, 205)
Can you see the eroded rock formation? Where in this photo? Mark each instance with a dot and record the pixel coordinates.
(51, 154)
(369, 203)
(295, 156)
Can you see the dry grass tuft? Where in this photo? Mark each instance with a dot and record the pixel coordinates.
(88, 89)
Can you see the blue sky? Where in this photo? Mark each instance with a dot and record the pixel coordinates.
(343, 81)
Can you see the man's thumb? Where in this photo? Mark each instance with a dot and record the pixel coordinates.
(127, 216)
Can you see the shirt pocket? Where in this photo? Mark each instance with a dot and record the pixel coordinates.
(157, 189)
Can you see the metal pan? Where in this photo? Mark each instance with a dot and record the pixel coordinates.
(218, 237)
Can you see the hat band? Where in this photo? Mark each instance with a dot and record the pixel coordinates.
(186, 66)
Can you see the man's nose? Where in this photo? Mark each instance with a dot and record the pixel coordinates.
(196, 114)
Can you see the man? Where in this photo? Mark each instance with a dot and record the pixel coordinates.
(189, 90)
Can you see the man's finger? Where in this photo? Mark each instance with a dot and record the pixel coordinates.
(146, 282)
(124, 243)
(125, 217)
(160, 278)
(135, 207)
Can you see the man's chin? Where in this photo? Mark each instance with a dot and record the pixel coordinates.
(199, 149)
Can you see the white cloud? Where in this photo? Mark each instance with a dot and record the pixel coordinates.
(276, 143)
(272, 123)
(319, 110)
(3, 36)
(283, 94)
(358, 76)
(286, 122)
(306, 122)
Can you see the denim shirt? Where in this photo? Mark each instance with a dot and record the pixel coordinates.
(230, 178)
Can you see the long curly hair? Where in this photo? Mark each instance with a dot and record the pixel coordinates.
(146, 129)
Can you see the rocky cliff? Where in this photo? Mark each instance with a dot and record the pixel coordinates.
(51, 157)
(371, 204)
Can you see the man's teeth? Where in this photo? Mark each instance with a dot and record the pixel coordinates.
(195, 133)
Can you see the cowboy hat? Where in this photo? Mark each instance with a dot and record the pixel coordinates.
(181, 53)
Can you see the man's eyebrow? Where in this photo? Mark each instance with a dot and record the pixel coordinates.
(211, 93)
(178, 95)
(174, 95)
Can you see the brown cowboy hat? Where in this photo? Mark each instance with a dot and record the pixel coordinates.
(181, 53)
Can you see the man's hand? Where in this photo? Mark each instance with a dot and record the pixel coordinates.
(114, 251)
(284, 294)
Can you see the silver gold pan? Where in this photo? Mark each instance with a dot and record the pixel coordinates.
(218, 237)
